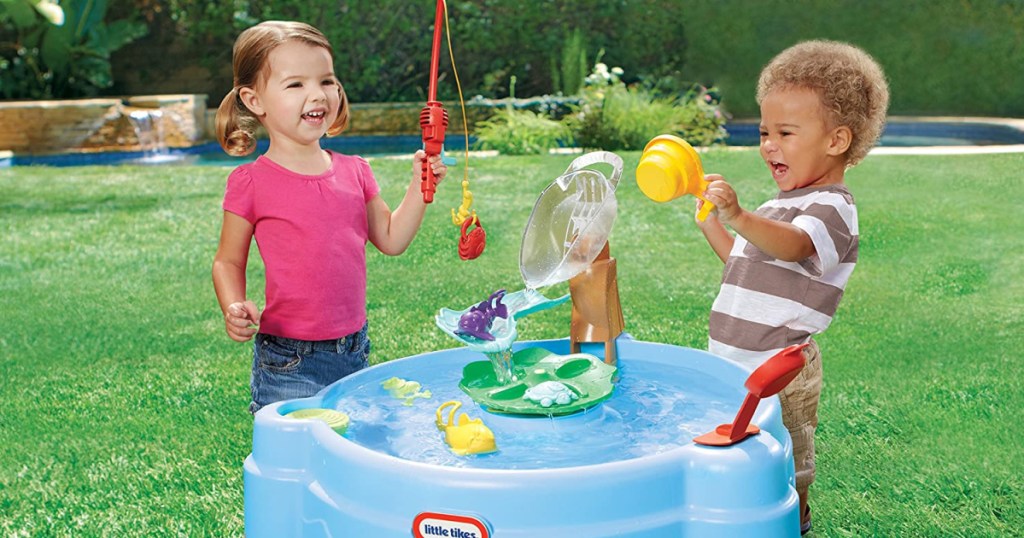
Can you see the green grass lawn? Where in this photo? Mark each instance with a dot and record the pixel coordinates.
(123, 403)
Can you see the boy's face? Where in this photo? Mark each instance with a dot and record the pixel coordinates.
(797, 143)
(299, 99)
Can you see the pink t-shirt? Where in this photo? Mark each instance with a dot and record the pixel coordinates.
(311, 232)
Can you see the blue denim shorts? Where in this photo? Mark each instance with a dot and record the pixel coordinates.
(285, 368)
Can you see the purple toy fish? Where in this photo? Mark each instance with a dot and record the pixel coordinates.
(477, 321)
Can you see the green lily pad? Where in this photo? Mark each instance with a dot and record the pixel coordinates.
(337, 420)
(587, 377)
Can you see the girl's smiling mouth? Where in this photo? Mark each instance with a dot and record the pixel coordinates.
(314, 116)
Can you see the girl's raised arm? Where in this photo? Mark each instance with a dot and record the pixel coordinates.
(392, 232)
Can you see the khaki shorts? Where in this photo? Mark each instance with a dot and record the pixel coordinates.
(800, 415)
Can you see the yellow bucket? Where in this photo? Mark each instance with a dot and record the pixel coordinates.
(669, 168)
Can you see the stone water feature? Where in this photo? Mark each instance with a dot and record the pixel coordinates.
(103, 124)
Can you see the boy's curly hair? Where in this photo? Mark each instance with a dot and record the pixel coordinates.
(850, 83)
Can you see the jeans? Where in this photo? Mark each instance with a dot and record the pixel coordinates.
(285, 368)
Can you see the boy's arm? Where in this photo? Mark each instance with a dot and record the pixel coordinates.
(392, 232)
(229, 278)
(780, 240)
(717, 236)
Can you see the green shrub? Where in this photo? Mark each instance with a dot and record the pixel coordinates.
(567, 75)
(613, 116)
(963, 57)
(957, 58)
(521, 132)
(514, 131)
(383, 46)
(60, 51)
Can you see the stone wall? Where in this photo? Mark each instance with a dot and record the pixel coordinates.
(95, 125)
(52, 126)
(89, 125)
(404, 118)
(385, 119)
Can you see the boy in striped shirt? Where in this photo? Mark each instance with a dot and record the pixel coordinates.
(823, 107)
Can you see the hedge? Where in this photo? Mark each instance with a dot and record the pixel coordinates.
(942, 57)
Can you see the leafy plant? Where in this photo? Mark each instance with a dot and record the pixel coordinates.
(567, 75)
(54, 51)
(521, 132)
(613, 116)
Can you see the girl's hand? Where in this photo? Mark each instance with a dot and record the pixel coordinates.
(440, 169)
(241, 320)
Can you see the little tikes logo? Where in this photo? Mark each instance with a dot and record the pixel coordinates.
(435, 525)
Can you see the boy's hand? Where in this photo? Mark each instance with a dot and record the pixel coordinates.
(720, 193)
(241, 320)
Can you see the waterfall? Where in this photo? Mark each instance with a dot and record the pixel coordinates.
(149, 128)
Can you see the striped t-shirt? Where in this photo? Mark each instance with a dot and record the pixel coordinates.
(764, 304)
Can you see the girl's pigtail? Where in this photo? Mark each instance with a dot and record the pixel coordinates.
(236, 126)
(341, 123)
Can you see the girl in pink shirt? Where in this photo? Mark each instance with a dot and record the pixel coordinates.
(310, 210)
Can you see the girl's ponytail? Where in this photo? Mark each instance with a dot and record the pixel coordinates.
(235, 126)
(341, 122)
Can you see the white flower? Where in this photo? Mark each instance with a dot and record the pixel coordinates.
(51, 12)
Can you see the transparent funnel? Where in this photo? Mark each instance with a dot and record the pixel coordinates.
(570, 222)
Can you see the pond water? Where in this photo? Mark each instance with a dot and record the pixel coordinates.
(897, 134)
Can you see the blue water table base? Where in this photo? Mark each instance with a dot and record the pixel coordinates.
(303, 479)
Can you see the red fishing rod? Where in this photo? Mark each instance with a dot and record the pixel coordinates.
(433, 117)
(434, 121)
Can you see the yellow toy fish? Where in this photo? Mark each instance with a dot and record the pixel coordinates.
(465, 436)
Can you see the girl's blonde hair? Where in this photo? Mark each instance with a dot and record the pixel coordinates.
(850, 83)
(236, 125)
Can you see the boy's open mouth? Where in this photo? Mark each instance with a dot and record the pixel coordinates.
(778, 169)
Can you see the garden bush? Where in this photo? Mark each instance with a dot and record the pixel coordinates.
(522, 132)
(614, 116)
(941, 58)
(513, 131)
(52, 51)
(383, 46)
(962, 58)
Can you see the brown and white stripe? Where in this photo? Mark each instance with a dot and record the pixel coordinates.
(765, 304)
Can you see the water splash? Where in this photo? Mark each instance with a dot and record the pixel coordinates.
(504, 367)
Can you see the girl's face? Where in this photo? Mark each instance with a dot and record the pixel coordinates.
(299, 98)
(796, 142)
